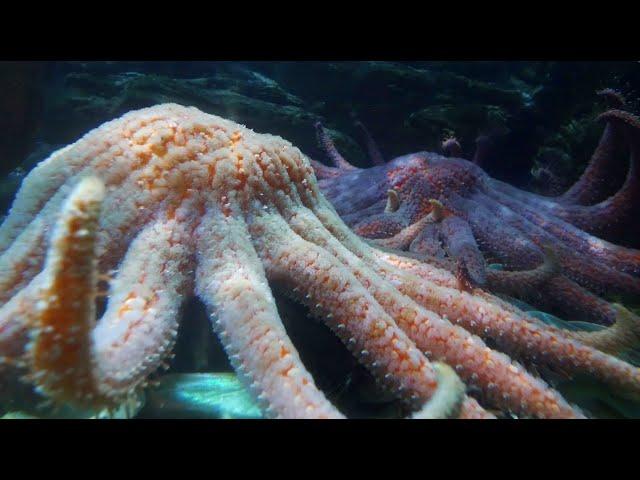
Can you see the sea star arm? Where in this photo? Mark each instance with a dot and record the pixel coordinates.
(571, 244)
(15, 316)
(37, 189)
(332, 152)
(23, 233)
(372, 148)
(324, 171)
(595, 219)
(451, 147)
(574, 301)
(386, 225)
(617, 209)
(448, 398)
(594, 183)
(232, 282)
(461, 245)
(428, 242)
(623, 335)
(483, 147)
(425, 233)
(71, 360)
(139, 327)
(22, 261)
(348, 309)
(589, 187)
(520, 283)
(537, 281)
(404, 237)
(517, 253)
(520, 336)
(434, 335)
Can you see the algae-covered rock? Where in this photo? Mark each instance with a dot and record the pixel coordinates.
(462, 121)
(86, 101)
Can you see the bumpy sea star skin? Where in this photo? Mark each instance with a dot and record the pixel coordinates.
(486, 218)
(183, 203)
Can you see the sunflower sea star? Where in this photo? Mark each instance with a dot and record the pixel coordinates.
(184, 203)
(482, 218)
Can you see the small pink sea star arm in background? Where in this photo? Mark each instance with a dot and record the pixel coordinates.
(451, 147)
(324, 171)
(594, 185)
(617, 209)
(594, 179)
(460, 244)
(404, 237)
(372, 148)
(328, 146)
(428, 242)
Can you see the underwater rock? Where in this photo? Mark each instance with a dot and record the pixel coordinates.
(86, 100)
(461, 120)
(385, 95)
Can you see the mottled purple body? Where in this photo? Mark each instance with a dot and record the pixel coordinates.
(483, 218)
